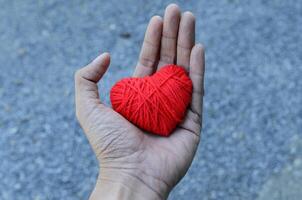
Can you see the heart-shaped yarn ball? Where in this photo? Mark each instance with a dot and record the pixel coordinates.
(155, 103)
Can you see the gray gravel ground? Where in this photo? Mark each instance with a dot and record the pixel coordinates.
(252, 113)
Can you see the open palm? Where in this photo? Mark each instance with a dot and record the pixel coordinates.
(125, 152)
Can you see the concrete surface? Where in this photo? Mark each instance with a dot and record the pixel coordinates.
(287, 184)
(252, 109)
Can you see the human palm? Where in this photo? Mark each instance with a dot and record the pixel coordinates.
(123, 150)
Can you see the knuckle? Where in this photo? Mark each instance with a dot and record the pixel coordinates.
(79, 77)
(167, 57)
(77, 74)
(145, 61)
(194, 117)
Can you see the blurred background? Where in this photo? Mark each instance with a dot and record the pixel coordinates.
(251, 145)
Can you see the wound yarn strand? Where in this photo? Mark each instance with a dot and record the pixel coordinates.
(155, 103)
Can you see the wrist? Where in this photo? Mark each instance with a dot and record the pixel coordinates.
(112, 184)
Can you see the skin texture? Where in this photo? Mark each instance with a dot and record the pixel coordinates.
(135, 164)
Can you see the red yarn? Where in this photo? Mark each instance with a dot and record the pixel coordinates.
(155, 103)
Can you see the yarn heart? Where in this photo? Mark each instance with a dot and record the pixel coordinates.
(155, 103)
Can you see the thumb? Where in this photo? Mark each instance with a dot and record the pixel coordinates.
(86, 79)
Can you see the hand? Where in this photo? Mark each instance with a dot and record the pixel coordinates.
(132, 162)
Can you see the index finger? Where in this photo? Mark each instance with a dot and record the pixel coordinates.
(150, 49)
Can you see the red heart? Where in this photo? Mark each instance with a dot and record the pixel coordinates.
(155, 103)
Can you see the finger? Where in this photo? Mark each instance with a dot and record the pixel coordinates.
(197, 66)
(186, 39)
(150, 49)
(86, 78)
(169, 36)
(192, 122)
